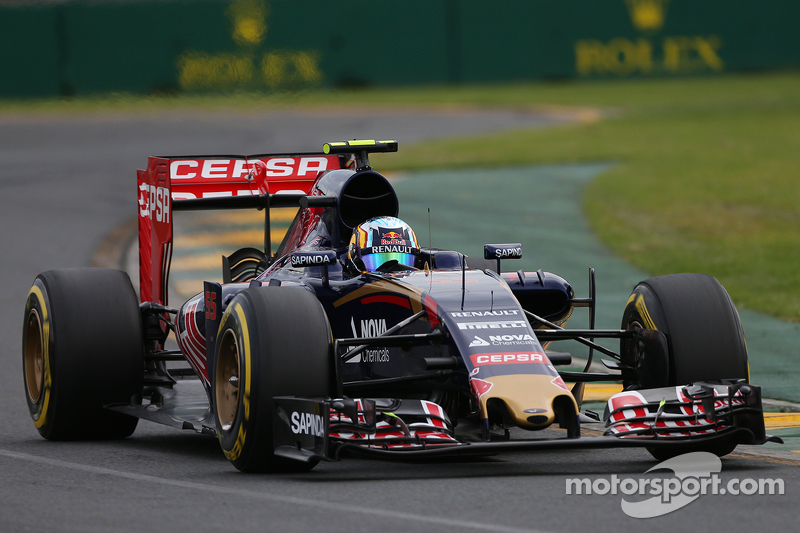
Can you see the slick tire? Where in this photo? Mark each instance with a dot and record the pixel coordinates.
(272, 341)
(82, 349)
(704, 334)
(703, 331)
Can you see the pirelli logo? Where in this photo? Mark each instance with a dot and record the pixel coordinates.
(509, 324)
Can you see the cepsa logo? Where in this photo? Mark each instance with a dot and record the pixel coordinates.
(239, 169)
(479, 359)
(154, 202)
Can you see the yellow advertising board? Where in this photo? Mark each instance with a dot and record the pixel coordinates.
(653, 51)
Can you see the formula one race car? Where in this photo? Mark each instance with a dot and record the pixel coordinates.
(354, 338)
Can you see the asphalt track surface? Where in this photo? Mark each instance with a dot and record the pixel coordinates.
(66, 183)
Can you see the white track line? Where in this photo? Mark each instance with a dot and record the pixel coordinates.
(327, 506)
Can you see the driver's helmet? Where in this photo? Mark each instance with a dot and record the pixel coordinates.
(383, 243)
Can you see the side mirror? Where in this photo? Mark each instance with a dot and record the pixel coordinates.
(502, 251)
(322, 258)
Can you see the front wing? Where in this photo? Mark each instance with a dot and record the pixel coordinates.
(701, 413)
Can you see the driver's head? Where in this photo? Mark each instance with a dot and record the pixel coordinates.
(383, 243)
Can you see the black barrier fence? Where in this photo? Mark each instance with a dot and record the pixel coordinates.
(148, 46)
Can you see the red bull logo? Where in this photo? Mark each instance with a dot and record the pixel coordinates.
(392, 237)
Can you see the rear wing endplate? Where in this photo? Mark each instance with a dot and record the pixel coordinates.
(192, 179)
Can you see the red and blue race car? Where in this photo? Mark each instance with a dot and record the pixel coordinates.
(353, 337)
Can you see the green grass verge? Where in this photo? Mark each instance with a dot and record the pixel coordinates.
(708, 178)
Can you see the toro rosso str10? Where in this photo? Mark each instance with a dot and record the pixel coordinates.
(354, 338)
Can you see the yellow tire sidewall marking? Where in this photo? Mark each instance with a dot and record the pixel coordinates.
(241, 321)
(643, 313)
(40, 417)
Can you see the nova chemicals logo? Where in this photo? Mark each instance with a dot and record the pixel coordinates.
(694, 474)
(478, 342)
(373, 327)
(501, 340)
(505, 340)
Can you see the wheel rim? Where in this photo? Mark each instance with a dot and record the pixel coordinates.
(33, 354)
(635, 325)
(227, 380)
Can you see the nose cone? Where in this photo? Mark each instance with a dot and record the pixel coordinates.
(528, 400)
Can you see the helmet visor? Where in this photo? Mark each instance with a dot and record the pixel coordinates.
(374, 258)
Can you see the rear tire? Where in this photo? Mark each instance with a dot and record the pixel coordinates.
(275, 342)
(82, 349)
(704, 336)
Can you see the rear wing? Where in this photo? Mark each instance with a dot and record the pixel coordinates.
(197, 177)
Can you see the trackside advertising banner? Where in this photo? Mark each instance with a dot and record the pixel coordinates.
(270, 45)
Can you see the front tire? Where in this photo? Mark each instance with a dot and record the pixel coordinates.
(82, 349)
(271, 342)
(704, 337)
(696, 314)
